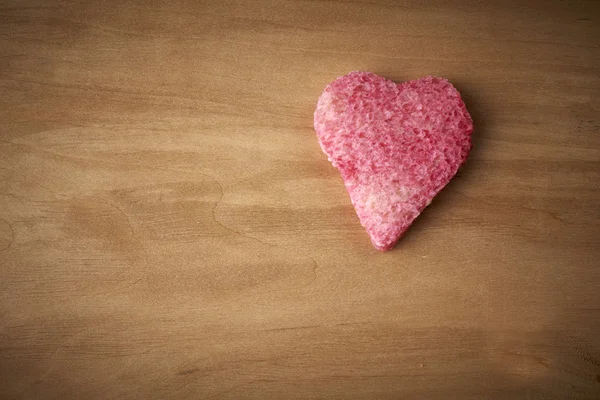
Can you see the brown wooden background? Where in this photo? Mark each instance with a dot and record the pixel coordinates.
(169, 228)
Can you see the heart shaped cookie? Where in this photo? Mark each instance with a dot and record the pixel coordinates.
(395, 145)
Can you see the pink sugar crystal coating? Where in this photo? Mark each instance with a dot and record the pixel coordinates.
(395, 145)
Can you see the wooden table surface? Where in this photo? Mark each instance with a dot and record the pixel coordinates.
(170, 229)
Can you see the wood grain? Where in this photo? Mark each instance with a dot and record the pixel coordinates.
(169, 227)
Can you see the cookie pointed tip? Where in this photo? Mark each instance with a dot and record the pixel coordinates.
(383, 247)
